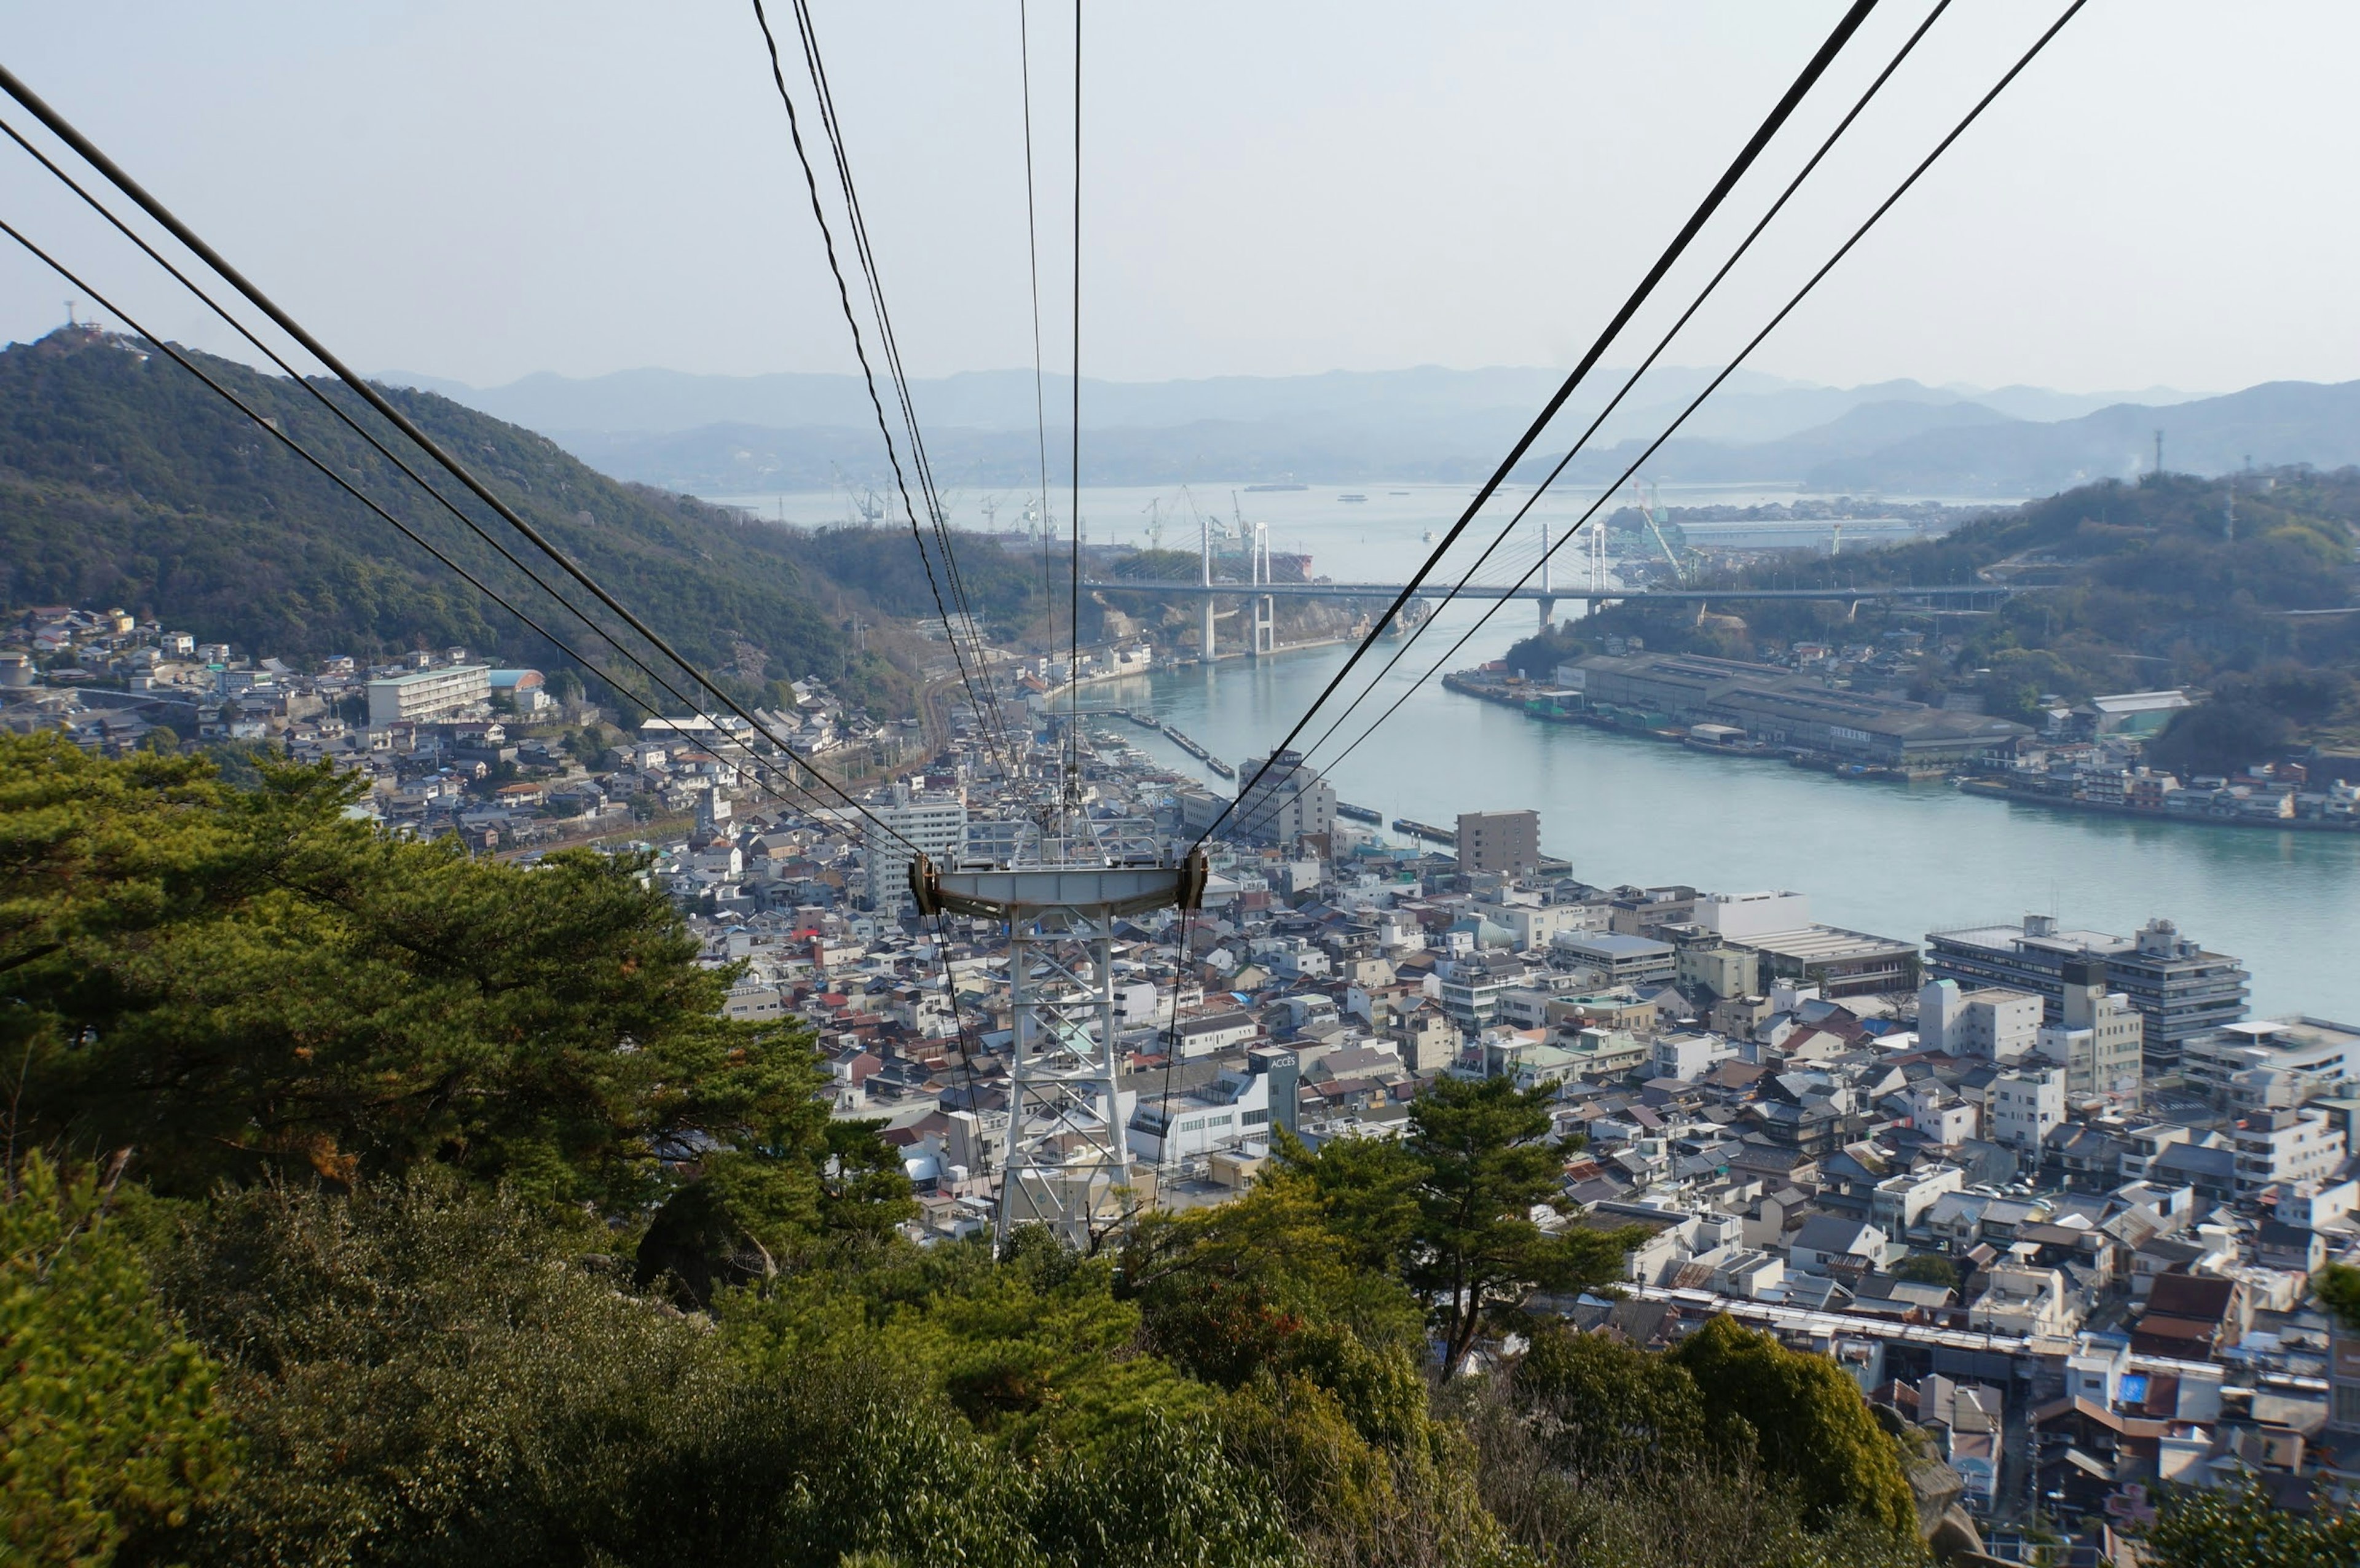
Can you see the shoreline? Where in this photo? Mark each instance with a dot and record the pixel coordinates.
(1982, 785)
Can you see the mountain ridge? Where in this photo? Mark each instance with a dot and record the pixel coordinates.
(123, 480)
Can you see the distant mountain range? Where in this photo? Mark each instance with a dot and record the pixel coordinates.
(714, 435)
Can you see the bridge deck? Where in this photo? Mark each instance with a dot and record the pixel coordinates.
(1563, 590)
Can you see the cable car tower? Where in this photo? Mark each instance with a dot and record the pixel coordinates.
(1059, 884)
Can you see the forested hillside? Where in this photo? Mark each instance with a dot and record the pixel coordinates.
(2228, 585)
(123, 481)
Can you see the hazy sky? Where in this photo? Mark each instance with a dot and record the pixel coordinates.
(481, 189)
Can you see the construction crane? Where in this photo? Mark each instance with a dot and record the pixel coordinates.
(1651, 509)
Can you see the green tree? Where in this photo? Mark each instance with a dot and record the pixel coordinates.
(109, 1429)
(2247, 1529)
(1803, 1418)
(2223, 736)
(238, 982)
(1486, 1163)
(1929, 1268)
(1601, 1405)
(427, 1372)
(2339, 1292)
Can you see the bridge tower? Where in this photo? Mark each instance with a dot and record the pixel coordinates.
(1205, 568)
(1548, 601)
(1265, 608)
(1058, 887)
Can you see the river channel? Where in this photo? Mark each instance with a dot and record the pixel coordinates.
(1897, 860)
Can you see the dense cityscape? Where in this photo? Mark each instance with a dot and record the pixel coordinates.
(1315, 798)
(2050, 1194)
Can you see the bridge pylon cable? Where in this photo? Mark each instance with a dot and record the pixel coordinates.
(1631, 381)
(1743, 354)
(1780, 113)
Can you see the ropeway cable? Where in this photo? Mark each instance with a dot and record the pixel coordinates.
(1779, 114)
(1033, 263)
(1631, 381)
(869, 376)
(91, 154)
(1755, 342)
(263, 422)
(889, 346)
(345, 417)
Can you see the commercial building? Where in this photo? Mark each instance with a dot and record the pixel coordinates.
(1785, 708)
(1283, 804)
(1839, 962)
(2184, 992)
(1508, 843)
(2274, 1062)
(1214, 1105)
(1733, 917)
(1621, 960)
(423, 694)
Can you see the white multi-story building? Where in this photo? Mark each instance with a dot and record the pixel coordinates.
(2274, 1064)
(934, 823)
(1988, 1023)
(422, 694)
(2285, 1146)
(1688, 1057)
(1534, 926)
(1233, 1107)
(2026, 1105)
(2099, 1044)
(1736, 917)
(1898, 1202)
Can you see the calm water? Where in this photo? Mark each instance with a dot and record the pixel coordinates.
(1897, 860)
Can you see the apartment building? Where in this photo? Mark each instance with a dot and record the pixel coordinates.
(934, 823)
(2026, 1105)
(1282, 804)
(2098, 1044)
(1508, 843)
(2275, 1147)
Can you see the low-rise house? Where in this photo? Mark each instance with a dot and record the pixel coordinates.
(2190, 1317)
(1828, 1244)
(2034, 1302)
